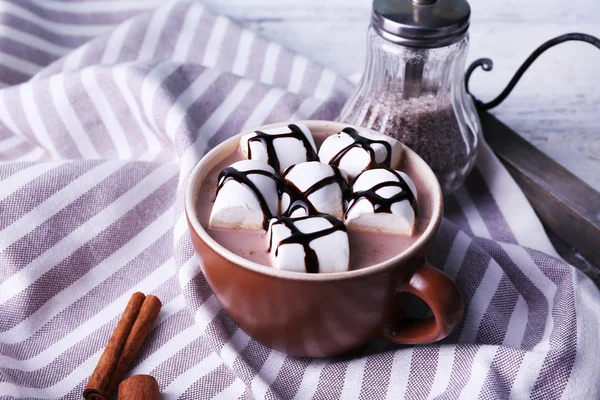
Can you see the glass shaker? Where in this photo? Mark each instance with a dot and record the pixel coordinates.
(413, 85)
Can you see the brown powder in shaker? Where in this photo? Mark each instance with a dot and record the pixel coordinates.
(429, 127)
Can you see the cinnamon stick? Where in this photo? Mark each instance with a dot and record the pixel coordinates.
(139, 331)
(139, 387)
(123, 346)
(101, 376)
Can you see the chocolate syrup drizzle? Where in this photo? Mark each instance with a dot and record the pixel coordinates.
(299, 198)
(366, 144)
(241, 177)
(311, 261)
(381, 204)
(267, 140)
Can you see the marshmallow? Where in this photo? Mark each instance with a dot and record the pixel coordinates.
(383, 200)
(309, 244)
(312, 188)
(355, 151)
(280, 147)
(247, 196)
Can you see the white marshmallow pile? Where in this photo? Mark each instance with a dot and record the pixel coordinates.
(355, 152)
(313, 188)
(302, 202)
(280, 147)
(383, 200)
(293, 241)
(238, 205)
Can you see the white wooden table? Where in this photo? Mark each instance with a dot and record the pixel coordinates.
(556, 105)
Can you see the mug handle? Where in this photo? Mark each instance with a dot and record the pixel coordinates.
(441, 295)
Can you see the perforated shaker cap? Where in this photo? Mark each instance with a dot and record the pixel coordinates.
(421, 23)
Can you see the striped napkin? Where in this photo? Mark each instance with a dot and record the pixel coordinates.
(106, 106)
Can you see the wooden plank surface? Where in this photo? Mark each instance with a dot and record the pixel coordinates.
(556, 106)
(566, 205)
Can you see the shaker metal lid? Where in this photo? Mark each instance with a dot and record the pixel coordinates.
(421, 23)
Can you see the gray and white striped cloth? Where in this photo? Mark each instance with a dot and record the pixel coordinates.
(106, 106)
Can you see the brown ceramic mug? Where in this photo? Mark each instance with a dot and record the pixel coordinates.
(319, 315)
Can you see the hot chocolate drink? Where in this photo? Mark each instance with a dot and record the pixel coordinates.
(309, 254)
(375, 226)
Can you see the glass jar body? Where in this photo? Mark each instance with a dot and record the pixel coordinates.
(418, 96)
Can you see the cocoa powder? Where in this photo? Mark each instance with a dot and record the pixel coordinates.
(428, 126)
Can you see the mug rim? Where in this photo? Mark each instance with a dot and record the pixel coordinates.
(192, 218)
